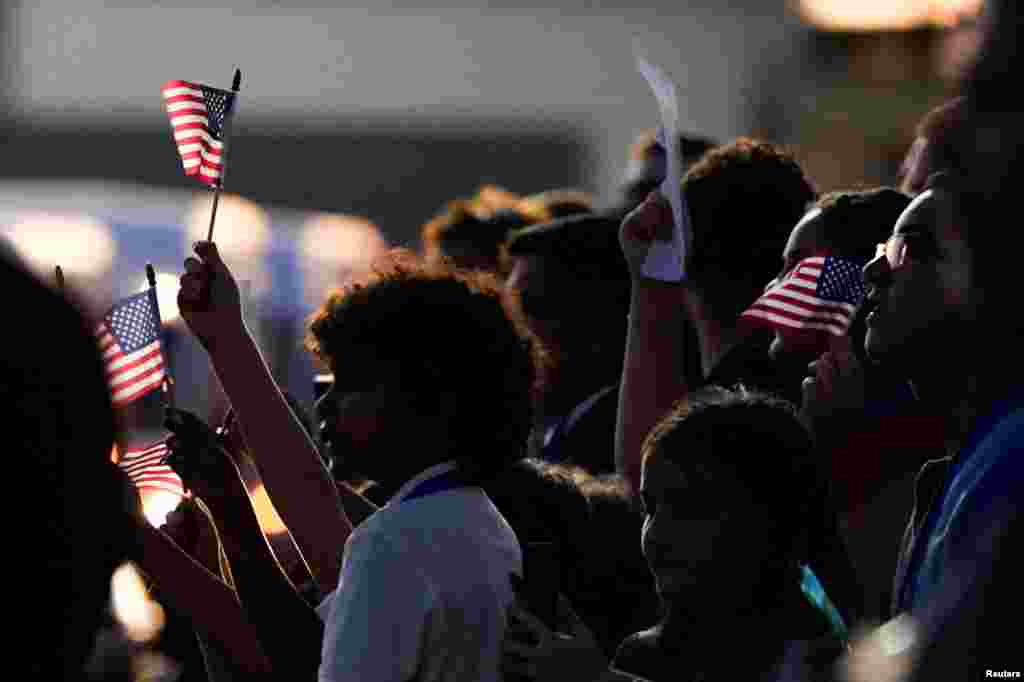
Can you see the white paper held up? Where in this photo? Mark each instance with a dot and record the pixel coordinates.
(666, 261)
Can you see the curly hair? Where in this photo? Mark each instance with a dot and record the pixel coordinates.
(692, 146)
(556, 203)
(744, 198)
(444, 331)
(471, 232)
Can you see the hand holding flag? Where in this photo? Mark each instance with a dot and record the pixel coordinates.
(209, 297)
(816, 300)
(836, 382)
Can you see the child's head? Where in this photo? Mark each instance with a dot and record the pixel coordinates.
(730, 488)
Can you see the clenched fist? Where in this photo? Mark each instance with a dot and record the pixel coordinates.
(649, 221)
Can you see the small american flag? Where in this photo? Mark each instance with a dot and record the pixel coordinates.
(821, 294)
(199, 115)
(146, 469)
(129, 340)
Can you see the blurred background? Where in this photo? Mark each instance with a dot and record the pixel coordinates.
(355, 125)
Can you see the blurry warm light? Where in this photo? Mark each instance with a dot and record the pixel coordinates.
(242, 234)
(157, 504)
(79, 244)
(269, 520)
(335, 247)
(166, 295)
(882, 15)
(958, 50)
(141, 617)
(241, 227)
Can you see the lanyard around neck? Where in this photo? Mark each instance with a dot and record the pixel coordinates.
(815, 593)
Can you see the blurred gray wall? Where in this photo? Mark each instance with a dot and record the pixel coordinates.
(356, 108)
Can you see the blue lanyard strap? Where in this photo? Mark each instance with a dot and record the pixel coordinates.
(446, 481)
(815, 593)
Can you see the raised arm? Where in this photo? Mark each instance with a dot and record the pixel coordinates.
(654, 371)
(209, 604)
(268, 596)
(295, 478)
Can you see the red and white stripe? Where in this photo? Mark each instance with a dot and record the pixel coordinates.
(146, 470)
(793, 303)
(130, 375)
(200, 153)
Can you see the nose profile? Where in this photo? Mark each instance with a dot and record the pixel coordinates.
(877, 273)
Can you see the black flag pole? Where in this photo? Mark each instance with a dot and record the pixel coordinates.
(59, 274)
(167, 387)
(236, 84)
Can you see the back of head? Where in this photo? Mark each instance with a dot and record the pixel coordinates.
(581, 263)
(556, 203)
(446, 333)
(60, 430)
(616, 592)
(942, 127)
(856, 222)
(584, 246)
(744, 199)
(647, 162)
(542, 504)
(470, 232)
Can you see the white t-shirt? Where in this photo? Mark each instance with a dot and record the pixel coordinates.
(423, 590)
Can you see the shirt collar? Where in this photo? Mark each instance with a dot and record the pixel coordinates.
(426, 474)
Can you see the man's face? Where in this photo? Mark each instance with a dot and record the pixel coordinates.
(921, 305)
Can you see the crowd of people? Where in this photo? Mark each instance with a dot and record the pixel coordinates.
(537, 463)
